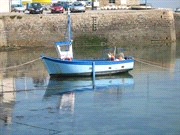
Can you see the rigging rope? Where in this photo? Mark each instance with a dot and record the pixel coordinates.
(20, 64)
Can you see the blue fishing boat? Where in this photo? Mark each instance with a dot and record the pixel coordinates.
(66, 65)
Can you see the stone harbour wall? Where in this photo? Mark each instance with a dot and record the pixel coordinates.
(177, 25)
(117, 27)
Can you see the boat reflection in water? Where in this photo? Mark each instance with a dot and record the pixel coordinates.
(69, 90)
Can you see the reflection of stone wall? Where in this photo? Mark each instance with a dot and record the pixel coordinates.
(7, 98)
(35, 65)
(117, 27)
(177, 24)
(159, 55)
(7, 89)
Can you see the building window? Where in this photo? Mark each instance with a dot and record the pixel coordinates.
(111, 1)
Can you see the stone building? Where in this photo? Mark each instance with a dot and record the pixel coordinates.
(118, 2)
(5, 6)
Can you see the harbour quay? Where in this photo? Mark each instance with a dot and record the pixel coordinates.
(116, 26)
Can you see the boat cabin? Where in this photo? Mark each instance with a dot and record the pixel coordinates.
(64, 50)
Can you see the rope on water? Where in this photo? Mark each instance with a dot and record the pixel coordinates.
(149, 63)
(34, 126)
(20, 64)
(38, 127)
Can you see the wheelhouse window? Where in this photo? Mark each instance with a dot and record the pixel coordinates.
(111, 1)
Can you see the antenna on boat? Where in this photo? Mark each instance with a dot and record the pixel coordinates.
(115, 51)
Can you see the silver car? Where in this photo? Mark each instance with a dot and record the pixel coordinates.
(177, 9)
(17, 8)
(77, 7)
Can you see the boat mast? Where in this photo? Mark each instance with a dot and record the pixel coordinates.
(68, 34)
(64, 48)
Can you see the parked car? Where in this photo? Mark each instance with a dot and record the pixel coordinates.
(77, 7)
(177, 9)
(17, 8)
(35, 8)
(65, 5)
(84, 2)
(57, 8)
(89, 4)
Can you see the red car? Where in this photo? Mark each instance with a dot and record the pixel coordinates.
(57, 8)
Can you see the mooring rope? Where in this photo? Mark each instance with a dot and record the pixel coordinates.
(26, 90)
(38, 127)
(20, 64)
(136, 59)
(41, 88)
(149, 63)
(34, 126)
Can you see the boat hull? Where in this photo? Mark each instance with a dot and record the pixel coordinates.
(57, 67)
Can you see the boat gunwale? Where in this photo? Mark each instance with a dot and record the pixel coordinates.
(88, 62)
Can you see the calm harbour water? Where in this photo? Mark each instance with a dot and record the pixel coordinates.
(145, 101)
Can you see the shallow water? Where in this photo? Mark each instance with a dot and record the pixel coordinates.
(145, 101)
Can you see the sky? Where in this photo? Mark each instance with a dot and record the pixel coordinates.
(163, 3)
